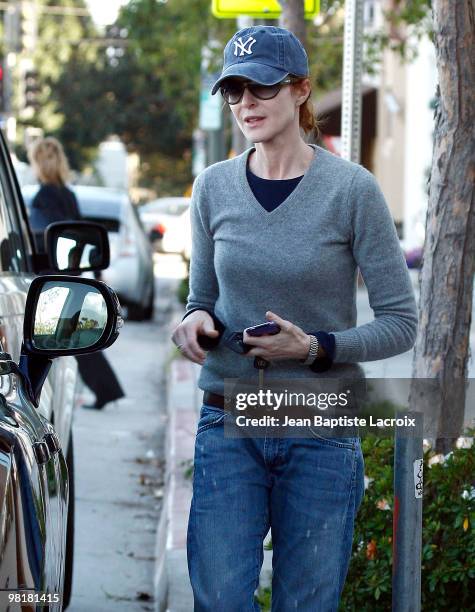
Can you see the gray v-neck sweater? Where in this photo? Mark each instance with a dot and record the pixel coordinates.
(300, 261)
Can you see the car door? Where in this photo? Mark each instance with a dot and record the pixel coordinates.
(33, 495)
(58, 397)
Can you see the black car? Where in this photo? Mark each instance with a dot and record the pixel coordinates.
(47, 315)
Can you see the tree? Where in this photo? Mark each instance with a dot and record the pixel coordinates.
(166, 40)
(293, 19)
(442, 345)
(80, 97)
(406, 22)
(58, 37)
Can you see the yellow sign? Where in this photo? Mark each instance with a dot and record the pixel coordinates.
(264, 9)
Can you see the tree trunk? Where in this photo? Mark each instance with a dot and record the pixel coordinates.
(292, 18)
(442, 346)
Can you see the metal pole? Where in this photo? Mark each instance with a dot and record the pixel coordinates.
(352, 73)
(215, 146)
(407, 518)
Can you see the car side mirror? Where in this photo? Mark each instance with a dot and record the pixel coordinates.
(69, 316)
(77, 246)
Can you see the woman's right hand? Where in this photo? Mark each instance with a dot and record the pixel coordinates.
(185, 335)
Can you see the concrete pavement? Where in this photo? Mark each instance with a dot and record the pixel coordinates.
(119, 466)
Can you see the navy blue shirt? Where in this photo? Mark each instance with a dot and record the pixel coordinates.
(270, 193)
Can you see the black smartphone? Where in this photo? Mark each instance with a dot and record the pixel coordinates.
(263, 329)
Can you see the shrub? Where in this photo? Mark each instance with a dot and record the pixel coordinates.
(183, 290)
(448, 533)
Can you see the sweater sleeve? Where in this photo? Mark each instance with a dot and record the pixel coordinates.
(377, 252)
(203, 282)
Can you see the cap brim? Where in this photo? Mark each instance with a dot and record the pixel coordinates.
(264, 75)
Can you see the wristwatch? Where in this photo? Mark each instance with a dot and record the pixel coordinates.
(312, 351)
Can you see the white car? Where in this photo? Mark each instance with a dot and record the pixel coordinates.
(165, 221)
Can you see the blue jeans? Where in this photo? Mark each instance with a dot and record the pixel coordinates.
(306, 490)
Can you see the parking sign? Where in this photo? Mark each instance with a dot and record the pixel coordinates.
(264, 9)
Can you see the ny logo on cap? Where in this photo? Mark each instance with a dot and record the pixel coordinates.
(243, 47)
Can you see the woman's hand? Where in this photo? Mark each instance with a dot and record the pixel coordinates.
(290, 343)
(185, 335)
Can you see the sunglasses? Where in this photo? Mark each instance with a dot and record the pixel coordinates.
(233, 91)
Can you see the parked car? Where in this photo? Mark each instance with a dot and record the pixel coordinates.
(177, 238)
(44, 321)
(130, 273)
(163, 221)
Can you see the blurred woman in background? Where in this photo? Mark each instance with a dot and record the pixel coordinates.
(56, 202)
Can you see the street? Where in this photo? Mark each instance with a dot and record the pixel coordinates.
(119, 466)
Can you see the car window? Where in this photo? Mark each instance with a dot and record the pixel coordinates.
(178, 209)
(166, 207)
(100, 209)
(111, 225)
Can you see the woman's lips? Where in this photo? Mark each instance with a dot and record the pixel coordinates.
(252, 121)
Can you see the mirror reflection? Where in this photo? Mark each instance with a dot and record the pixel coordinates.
(79, 249)
(69, 315)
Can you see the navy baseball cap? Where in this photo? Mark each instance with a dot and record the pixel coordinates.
(264, 54)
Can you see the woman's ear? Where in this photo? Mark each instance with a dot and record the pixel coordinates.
(302, 90)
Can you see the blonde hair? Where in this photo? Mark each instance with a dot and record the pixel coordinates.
(49, 162)
(307, 116)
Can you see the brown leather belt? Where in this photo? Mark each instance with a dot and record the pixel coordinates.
(213, 399)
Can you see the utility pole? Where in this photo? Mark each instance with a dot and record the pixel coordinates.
(407, 516)
(408, 451)
(352, 74)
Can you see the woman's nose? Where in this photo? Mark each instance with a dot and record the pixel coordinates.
(247, 98)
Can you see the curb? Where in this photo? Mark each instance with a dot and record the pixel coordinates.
(172, 588)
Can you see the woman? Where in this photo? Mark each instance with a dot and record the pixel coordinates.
(279, 232)
(54, 201)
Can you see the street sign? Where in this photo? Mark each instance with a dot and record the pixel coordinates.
(264, 9)
(210, 117)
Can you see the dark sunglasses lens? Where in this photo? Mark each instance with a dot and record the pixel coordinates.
(264, 92)
(232, 92)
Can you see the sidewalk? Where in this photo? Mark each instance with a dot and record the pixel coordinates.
(172, 586)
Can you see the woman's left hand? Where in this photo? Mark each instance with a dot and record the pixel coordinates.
(290, 343)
